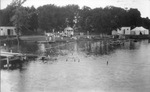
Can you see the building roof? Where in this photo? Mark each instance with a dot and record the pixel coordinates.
(139, 29)
(68, 28)
(7, 26)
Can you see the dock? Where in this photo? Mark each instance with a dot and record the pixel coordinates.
(8, 58)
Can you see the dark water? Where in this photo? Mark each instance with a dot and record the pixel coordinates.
(87, 66)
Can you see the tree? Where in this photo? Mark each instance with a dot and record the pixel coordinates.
(49, 17)
(146, 22)
(20, 15)
(71, 12)
(32, 20)
(6, 15)
(85, 18)
(134, 17)
(54, 17)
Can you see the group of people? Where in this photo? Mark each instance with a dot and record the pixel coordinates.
(50, 37)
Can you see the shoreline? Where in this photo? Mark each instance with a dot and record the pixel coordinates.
(42, 38)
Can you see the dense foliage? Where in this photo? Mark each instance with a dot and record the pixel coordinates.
(51, 17)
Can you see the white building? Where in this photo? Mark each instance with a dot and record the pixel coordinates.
(69, 31)
(7, 31)
(124, 31)
(140, 31)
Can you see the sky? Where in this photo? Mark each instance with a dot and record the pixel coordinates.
(142, 5)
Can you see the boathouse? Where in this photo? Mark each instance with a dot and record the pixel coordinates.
(7, 31)
(124, 31)
(121, 32)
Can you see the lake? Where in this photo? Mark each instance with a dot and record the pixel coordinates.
(80, 66)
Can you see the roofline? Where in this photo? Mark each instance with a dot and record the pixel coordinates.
(7, 26)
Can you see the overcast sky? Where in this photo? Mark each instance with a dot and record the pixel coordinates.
(142, 5)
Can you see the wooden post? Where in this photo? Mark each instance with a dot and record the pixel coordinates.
(25, 57)
(7, 62)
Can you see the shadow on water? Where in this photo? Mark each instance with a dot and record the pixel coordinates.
(98, 48)
(13, 65)
(24, 47)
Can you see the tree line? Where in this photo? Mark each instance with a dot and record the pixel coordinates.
(31, 20)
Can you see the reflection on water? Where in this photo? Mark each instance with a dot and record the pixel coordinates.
(23, 47)
(80, 66)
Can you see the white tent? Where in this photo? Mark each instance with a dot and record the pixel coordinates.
(140, 31)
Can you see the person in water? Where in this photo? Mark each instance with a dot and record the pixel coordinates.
(107, 62)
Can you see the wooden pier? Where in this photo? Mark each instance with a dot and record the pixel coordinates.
(7, 58)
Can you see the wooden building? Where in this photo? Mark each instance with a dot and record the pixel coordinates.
(7, 31)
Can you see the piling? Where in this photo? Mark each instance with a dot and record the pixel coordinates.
(7, 62)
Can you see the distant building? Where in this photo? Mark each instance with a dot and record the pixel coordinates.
(124, 31)
(120, 33)
(68, 31)
(7, 31)
(140, 31)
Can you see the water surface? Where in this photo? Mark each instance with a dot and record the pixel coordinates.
(80, 67)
